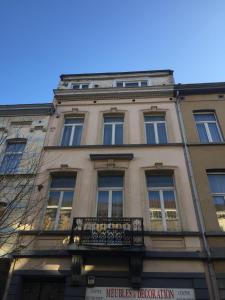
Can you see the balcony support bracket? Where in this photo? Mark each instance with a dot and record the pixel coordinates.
(136, 268)
(77, 270)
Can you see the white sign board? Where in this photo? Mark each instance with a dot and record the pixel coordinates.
(118, 293)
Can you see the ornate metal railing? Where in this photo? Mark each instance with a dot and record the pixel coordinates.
(109, 232)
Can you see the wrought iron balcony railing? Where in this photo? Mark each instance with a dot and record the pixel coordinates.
(109, 232)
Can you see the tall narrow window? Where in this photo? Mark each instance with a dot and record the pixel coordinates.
(155, 128)
(72, 131)
(12, 157)
(162, 203)
(110, 196)
(207, 126)
(217, 185)
(113, 130)
(60, 201)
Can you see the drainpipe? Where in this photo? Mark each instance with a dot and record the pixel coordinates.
(197, 206)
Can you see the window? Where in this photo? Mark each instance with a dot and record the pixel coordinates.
(60, 201)
(217, 185)
(77, 86)
(72, 131)
(110, 196)
(155, 129)
(130, 84)
(12, 157)
(162, 203)
(113, 130)
(207, 126)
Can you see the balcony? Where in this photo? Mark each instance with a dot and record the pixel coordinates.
(107, 232)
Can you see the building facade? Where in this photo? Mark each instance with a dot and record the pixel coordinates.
(202, 111)
(22, 134)
(119, 221)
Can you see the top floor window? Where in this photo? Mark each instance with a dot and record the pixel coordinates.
(130, 84)
(217, 185)
(207, 126)
(72, 131)
(155, 129)
(12, 157)
(78, 86)
(113, 130)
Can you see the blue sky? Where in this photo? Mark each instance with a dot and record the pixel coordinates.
(41, 39)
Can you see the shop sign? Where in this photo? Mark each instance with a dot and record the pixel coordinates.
(120, 293)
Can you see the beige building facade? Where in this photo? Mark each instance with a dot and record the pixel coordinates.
(119, 220)
(202, 107)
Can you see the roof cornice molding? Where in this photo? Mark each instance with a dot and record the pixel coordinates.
(110, 75)
(114, 93)
(27, 109)
(200, 88)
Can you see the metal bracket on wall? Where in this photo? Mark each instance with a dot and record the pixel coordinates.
(136, 268)
(77, 270)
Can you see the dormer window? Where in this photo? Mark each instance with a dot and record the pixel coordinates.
(131, 84)
(79, 86)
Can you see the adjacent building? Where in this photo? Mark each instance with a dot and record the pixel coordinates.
(22, 134)
(202, 108)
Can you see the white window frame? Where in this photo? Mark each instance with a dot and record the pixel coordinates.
(59, 206)
(205, 123)
(131, 81)
(113, 128)
(162, 210)
(73, 129)
(155, 123)
(217, 194)
(110, 190)
(81, 85)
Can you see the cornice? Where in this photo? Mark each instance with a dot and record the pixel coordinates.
(113, 93)
(27, 109)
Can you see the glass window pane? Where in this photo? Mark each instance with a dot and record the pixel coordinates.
(10, 163)
(76, 86)
(217, 183)
(63, 181)
(169, 199)
(153, 118)
(110, 181)
(85, 86)
(204, 117)
(107, 135)
(67, 199)
(150, 134)
(113, 119)
(214, 132)
(64, 219)
(117, 204)
(66, 136)
(49, 220)
(159, 180)
(162, 132)
(77, 135)
(131, 84)
(119, 84)
(74, 120)
(103, 198)
(144, 83)
(53, 198)
(202, 133)
(119, 134)
(154, 199)
(15, 147)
